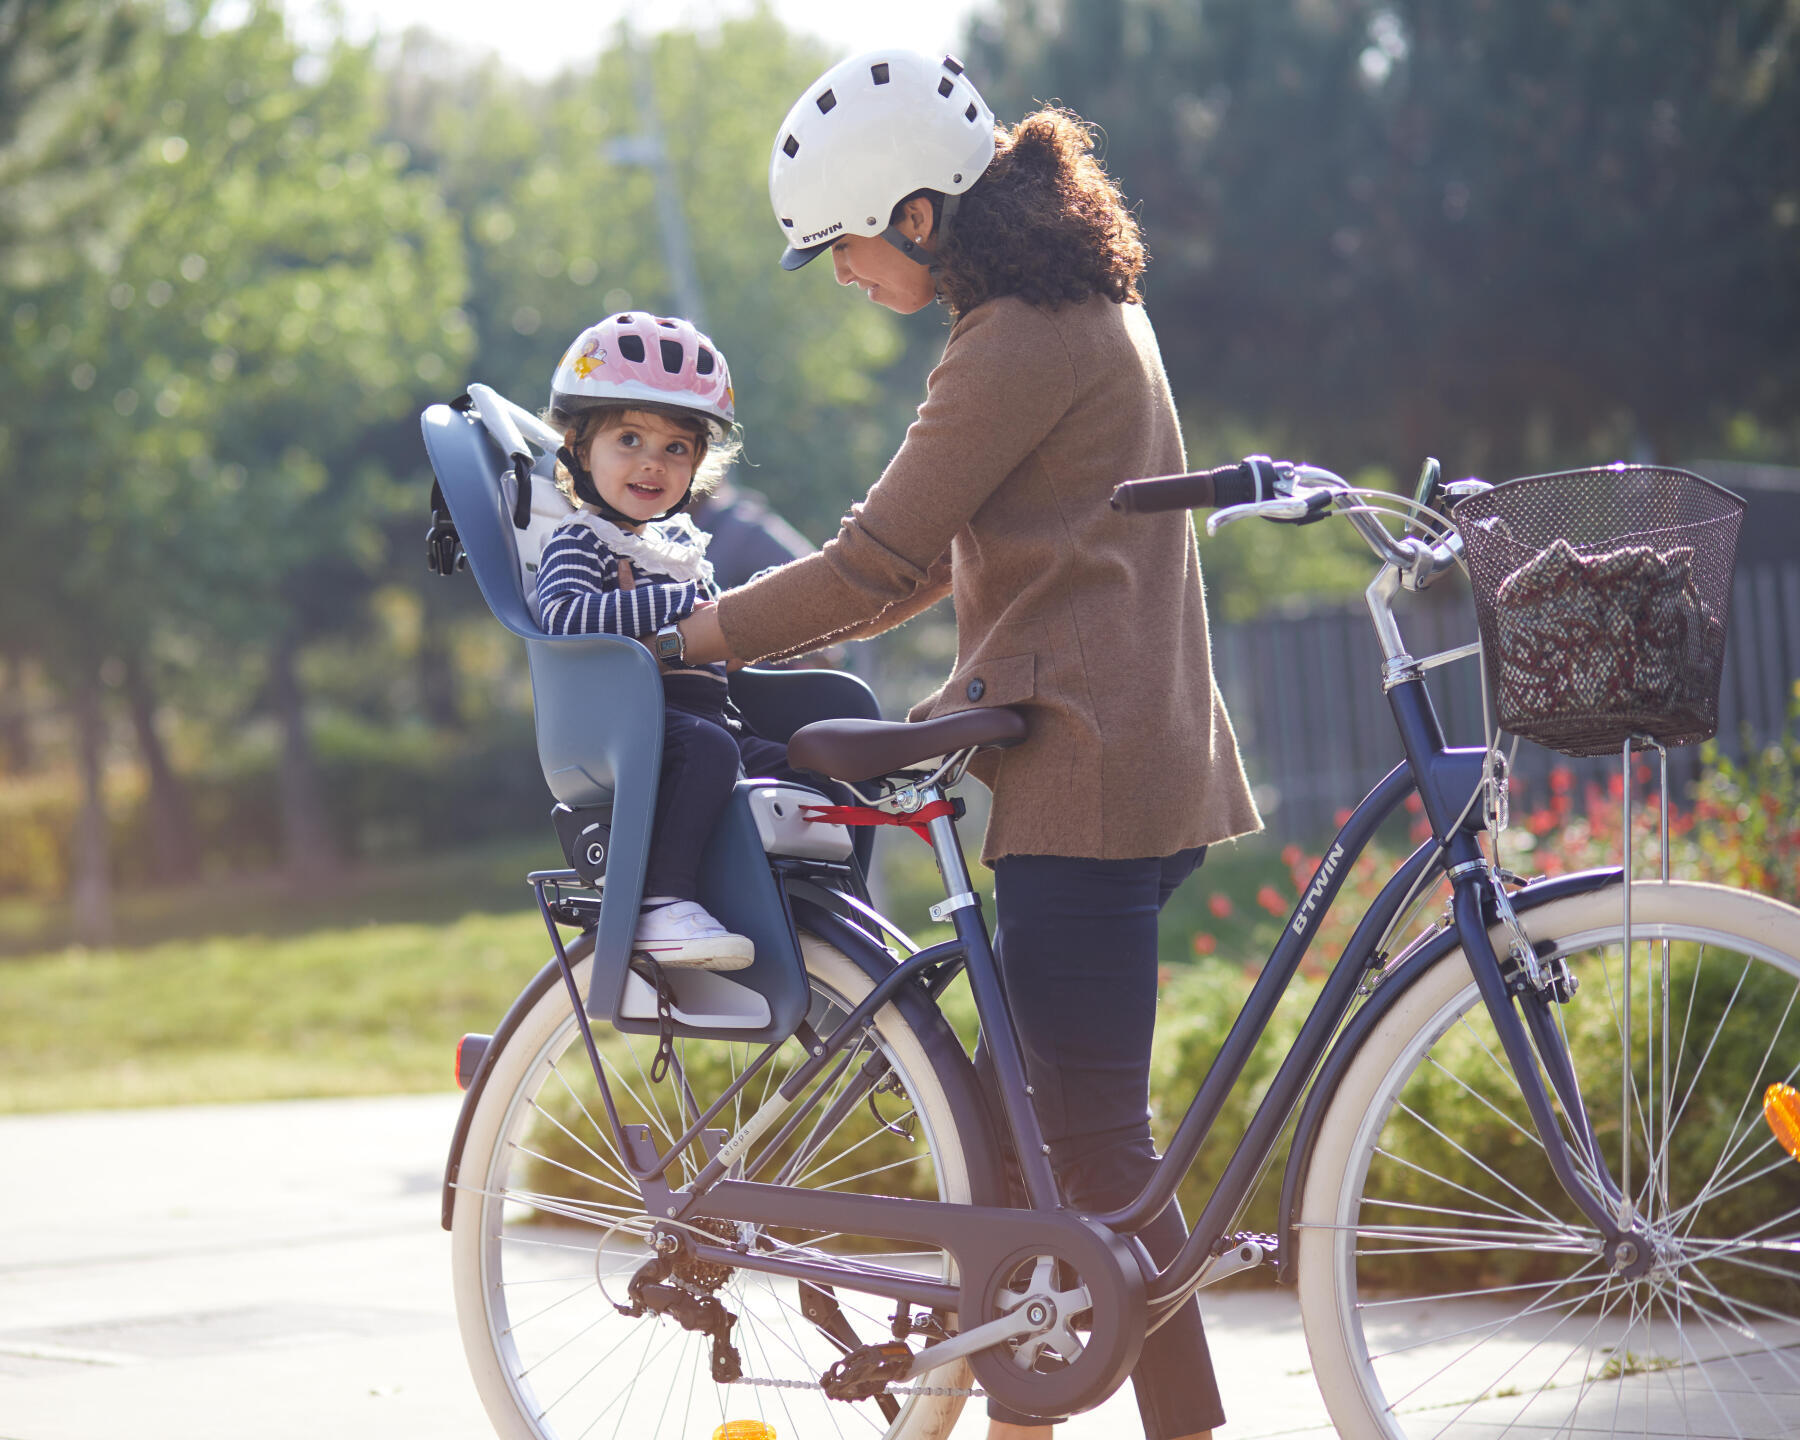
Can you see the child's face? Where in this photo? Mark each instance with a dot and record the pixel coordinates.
(643, 464)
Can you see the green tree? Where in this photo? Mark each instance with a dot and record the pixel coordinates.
(189, 452)
(1517, 234)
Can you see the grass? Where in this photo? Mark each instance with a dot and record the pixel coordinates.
(357, 1010)
(259, 991)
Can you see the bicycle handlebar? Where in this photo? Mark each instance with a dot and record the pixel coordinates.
(1283, 490)
(1244, 483)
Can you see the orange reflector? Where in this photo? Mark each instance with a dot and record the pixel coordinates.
(1781, 1108)
(744, 1430)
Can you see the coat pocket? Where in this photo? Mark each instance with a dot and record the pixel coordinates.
(1003, 680)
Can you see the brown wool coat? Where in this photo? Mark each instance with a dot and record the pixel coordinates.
(1091, 622)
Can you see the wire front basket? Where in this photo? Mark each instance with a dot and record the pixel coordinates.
(1603, 597)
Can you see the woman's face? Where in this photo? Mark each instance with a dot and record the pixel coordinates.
(642, 465)
(886, 276)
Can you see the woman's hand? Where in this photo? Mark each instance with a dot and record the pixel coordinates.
(703, 638)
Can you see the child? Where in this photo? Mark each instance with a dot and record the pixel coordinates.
(645, 406)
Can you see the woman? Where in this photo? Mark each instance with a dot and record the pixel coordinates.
(1051, 391)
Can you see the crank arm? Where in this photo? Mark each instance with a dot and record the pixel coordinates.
(1008, 1327)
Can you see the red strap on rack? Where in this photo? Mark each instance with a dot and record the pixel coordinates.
(869, 815)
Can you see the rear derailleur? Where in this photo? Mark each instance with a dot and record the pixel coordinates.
(652, 1293)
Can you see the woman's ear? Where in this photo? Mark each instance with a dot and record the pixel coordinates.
(918, 220)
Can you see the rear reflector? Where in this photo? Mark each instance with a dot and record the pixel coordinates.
(1781, 1108)
(469, 1051)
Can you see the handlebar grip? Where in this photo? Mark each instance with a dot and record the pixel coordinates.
(1200, 489)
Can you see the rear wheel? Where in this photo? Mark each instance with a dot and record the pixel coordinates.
(548, 1230)
(1449, 1286)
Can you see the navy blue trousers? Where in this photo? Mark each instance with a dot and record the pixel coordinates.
(1076, 944)
(701, 755)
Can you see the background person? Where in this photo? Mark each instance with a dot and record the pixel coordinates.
(1051, 390)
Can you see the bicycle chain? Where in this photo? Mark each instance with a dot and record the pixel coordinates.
(890, 1390)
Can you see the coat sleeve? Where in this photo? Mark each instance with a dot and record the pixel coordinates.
(1005, 380)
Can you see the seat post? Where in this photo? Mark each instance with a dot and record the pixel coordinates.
(962, 907)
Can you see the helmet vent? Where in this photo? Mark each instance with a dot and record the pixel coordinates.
(970, 113)
(787, 222)
(953, 65)
(703, 362)
(632, 347)
(880, 73)
(827, 103)
(790, 147)
(945, 86)
(671, 355)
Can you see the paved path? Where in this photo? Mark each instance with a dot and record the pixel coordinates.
(277, 1272)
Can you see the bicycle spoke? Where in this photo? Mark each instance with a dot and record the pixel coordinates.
(1467, 1154)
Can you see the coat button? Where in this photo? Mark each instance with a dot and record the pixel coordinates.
(977, 688)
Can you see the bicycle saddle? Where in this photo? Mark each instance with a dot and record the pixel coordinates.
(863, 749)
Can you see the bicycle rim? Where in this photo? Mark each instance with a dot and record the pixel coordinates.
(549, 1231)
(1457, 1291)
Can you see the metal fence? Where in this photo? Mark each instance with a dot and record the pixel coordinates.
(1305, 695)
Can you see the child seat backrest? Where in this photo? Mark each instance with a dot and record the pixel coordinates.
(597, 699)
(547, 509)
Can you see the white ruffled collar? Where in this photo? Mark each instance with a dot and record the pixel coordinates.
(675, 547)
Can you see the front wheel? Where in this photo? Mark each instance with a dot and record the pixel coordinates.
(548, 1229)
(1449, 1286)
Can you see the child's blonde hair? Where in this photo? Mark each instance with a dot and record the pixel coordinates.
(712, 458)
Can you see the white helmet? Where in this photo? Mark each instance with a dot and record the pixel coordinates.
(866, 134)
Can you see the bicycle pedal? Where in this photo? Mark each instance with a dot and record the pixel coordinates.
(1225, 1244)
(867, 1372)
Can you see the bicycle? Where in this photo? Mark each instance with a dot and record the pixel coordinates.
(653, 1232)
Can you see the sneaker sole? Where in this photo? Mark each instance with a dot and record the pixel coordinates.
(734, 954)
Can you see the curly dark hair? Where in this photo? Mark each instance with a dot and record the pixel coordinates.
(1045, 222)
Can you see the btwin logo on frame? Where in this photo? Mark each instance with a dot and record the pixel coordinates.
(1326, 870)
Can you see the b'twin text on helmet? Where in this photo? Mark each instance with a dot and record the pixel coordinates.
(867, 133)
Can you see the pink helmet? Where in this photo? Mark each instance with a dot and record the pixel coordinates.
(648, 359)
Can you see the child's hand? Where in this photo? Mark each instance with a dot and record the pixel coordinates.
(627, 580)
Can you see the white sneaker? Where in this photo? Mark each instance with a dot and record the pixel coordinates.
(684, 935)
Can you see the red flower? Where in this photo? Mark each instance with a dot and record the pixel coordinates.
(1270, 899)
(1204, 944)
(1290, 855)
(1219, 903)
(1341, 819)
(1561, 780)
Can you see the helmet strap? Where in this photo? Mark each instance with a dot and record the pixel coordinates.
(589, 493)
(916, 252)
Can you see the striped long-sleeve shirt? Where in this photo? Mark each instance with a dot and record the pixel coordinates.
(578, 591)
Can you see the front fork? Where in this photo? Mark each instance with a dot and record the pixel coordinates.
(1535, 1049)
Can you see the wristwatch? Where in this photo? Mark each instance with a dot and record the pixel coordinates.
(669, 645)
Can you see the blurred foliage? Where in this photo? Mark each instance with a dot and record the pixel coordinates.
(1510, 233)
(391, 793)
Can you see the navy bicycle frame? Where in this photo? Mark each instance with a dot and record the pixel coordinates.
(1449, 782)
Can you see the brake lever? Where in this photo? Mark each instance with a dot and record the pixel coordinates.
(1301, 508)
